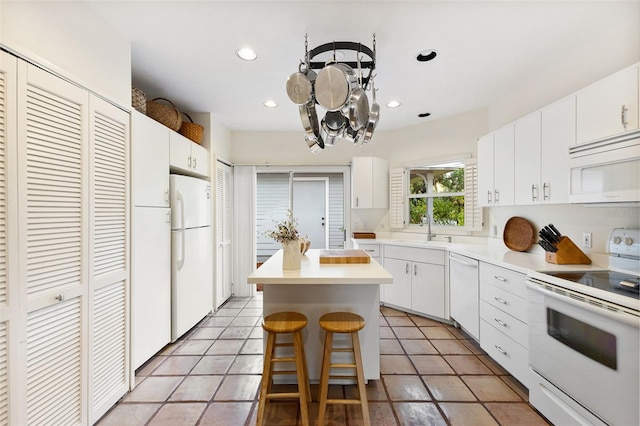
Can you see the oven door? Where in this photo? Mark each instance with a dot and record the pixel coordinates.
(586, 350)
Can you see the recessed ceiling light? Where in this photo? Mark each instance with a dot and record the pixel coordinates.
(426, 55)
(247, 54)
(424, 114)
(270, 104)
(393, 104)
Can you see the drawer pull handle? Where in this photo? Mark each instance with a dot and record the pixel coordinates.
(60, 297)
(502, 351)
(504, 302)
(502, 323)
(499, 278)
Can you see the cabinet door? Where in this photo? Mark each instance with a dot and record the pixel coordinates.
(151, 282)
(398, 293)
(558, 134)
(427, 289)
(150, 162)
(53, 211)
(179, 152)
(199, 160)
(527, 160)
(608, 107)
(380, 183)
(9, 286)
(108, 327)
(503, 166)
(485, 170)
(361, 188)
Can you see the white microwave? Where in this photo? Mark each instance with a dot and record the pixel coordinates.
(606, 171)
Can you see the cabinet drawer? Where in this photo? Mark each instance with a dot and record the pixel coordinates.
(372, 250)
(511, 281)
(415, 254)
(506, 352)
(505, 323)
(505, 301)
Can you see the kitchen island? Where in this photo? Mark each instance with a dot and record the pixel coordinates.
(317, 289)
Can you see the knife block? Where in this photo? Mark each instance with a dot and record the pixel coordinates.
(568, 254)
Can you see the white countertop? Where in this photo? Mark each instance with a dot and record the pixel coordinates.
(524, 262)
(312, 272)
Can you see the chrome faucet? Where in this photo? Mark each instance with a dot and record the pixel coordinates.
(426, 219)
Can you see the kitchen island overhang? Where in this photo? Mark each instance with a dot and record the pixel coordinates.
(316, 289)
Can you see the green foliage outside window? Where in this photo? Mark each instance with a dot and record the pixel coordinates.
(444, 194)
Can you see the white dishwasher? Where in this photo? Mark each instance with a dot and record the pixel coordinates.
(464, 293)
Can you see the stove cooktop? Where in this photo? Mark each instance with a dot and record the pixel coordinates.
(612, 281)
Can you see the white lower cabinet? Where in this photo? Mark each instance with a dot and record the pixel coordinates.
(503, 319)
(151, 278)
(418, 279)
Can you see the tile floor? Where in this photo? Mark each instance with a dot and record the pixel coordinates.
(432, 374)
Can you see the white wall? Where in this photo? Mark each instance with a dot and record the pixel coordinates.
(71, 40)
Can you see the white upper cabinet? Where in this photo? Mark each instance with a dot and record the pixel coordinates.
(150, 171)
(527, 153)
(608, 107)
(187, 156)
(496, 168)
(369, 183)
(558, 133)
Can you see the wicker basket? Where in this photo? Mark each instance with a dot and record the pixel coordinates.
(138, 100)
(167, 115)
(191, 130)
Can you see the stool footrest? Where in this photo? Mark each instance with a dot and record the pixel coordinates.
(341, 349)
(290, 395)
(288, 359)
(283, 345)
(337, 377)
(343, 366)
(283, 372)
(344, 401)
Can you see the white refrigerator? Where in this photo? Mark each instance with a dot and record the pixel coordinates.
(191, 253)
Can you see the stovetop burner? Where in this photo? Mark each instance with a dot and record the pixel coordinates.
(611, 281)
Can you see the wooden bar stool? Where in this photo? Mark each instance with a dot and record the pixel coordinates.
(342, 322)
(285, 323)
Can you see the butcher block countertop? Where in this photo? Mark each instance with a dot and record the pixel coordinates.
(313, 272)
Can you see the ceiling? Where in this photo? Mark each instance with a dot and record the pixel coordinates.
(185, 50)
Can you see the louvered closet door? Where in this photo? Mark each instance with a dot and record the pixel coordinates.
(52, 156)
(8, 289)
(223, 233)
(108, 340)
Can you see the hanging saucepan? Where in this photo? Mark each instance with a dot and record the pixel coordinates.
(357, 109)
(333, 86)
(309, 120)
(299, 88)
(374, 117)
(329, 136)
(335, 120)
(350, 135)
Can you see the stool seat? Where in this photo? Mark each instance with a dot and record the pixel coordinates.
(342, 322)
(284, 322)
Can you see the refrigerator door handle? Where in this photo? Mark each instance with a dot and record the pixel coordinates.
(180, 200)
(180, 261)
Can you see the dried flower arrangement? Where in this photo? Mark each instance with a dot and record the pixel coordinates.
(286, 230)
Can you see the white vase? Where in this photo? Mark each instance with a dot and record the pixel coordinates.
(292, 255)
